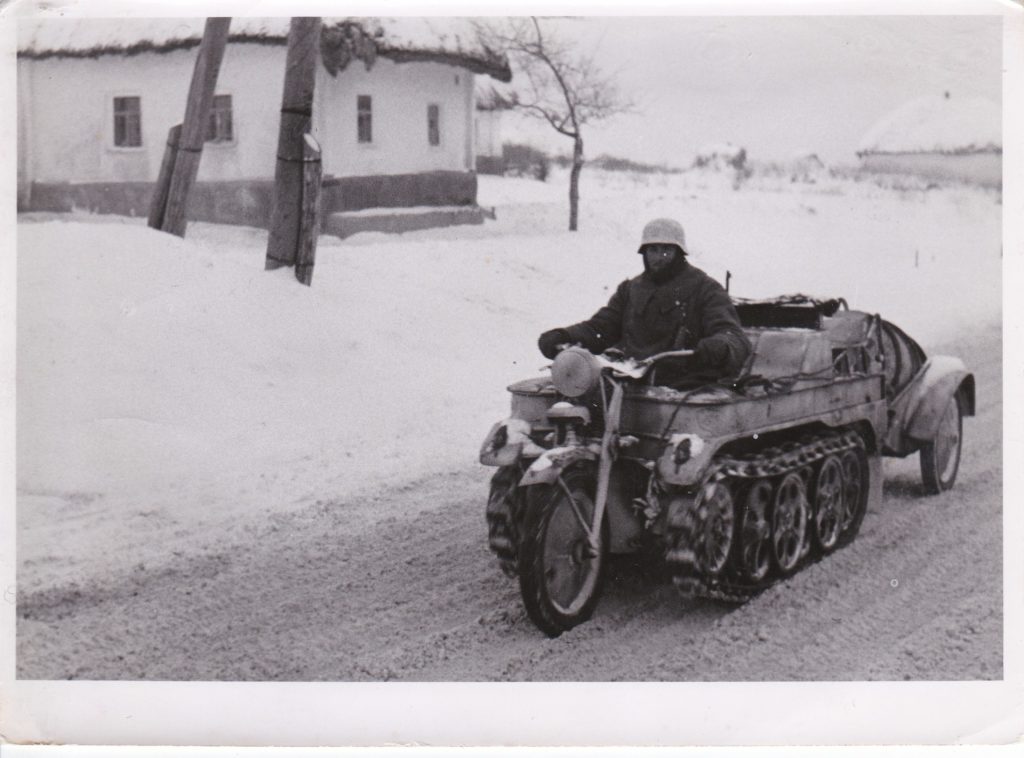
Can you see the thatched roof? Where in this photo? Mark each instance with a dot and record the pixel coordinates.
(402, 40)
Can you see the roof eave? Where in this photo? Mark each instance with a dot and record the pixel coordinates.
(495, 68)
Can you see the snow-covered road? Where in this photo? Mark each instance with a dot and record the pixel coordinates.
(223, 474)
(401, 586)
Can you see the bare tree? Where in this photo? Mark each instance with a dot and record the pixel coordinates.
(556, 83)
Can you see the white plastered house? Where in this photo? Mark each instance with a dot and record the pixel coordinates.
(97, 97)
(938, 137)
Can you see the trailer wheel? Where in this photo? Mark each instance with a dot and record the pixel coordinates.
(940, 456)
(560, 574)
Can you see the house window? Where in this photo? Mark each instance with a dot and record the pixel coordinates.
(127, 121)
(433, 125)
(219, 128)
(364, 118)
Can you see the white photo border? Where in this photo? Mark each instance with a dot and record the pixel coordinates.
(529, 714)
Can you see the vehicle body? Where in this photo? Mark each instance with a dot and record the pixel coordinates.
(733, 485)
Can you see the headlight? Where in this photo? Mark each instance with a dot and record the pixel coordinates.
(575, 371)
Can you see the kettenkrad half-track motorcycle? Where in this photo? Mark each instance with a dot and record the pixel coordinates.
(735, 485)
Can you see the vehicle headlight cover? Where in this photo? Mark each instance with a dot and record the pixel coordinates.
(575, 371)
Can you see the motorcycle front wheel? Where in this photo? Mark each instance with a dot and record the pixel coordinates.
(560, 573)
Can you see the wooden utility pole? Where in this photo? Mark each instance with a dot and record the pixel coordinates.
(158, 205)
(309, 212)
(296, 119)
(193, 128)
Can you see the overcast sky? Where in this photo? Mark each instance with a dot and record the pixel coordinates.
(779, 86)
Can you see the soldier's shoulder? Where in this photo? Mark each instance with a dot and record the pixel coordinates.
(696, 273)
(702, 278)
(631, 282)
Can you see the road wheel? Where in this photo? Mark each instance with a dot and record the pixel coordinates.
(755, 532)
(560, 573)
(789, 522)
(855, 492)
(940, 457)
(715, 525)
(829, 508)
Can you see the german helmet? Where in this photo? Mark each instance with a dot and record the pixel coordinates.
(664, 231)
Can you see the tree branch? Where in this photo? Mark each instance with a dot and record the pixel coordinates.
(563, 88)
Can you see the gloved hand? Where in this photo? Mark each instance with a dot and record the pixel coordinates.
(711, 352)
(550, 340)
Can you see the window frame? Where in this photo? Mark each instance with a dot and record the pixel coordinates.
(113, 114)
(233, 139)
(434, 125)
(364, 118)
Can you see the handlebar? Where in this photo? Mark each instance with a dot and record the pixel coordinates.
(668, 354)
(637, 369)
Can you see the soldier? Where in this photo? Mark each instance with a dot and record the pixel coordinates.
(672, 305)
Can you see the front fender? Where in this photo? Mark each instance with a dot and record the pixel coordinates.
(550, 465)
(916, 411)
(507, 442)
(686, 459)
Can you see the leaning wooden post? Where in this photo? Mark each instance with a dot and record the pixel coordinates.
(193, 128)
(309, 221)
(158, 205)
(296, 119)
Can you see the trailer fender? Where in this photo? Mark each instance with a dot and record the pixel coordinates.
(551, 463)
(917, 410)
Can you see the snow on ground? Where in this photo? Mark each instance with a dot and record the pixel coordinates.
(171, 391)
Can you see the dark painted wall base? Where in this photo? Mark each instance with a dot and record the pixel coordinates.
(248, 202)
(490, 164)
(347, 224)
(437, 188)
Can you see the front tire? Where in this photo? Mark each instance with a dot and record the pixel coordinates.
(940, 456)
(560, 575)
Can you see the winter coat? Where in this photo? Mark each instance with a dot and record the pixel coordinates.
(688, 311)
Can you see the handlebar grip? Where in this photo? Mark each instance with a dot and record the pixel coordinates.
(670, 354)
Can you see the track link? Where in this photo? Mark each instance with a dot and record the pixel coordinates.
(503, 514)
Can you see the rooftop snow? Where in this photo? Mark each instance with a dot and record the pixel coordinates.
(941, 124)
(450, 40)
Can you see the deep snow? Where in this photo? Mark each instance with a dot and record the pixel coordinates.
(171, 392)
